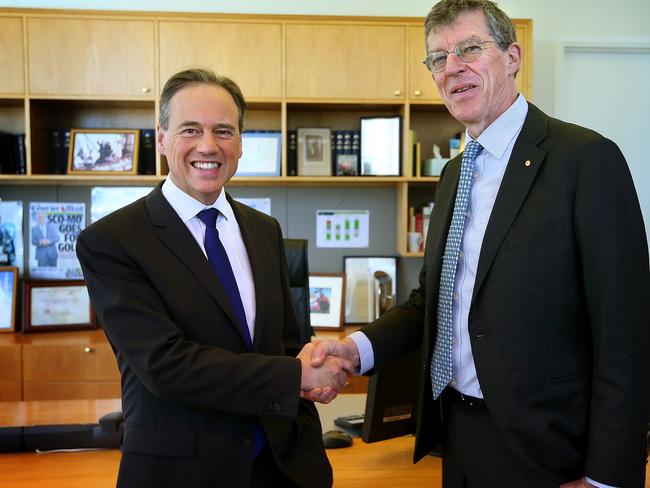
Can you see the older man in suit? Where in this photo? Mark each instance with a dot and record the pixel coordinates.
(191, 288)
(533, 302)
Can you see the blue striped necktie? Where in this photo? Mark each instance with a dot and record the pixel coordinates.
(441, 360)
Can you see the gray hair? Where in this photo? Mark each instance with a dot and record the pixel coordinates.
(199, 76)
(446, 12)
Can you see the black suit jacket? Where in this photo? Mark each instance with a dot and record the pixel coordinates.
(191, 391)
(560, 314)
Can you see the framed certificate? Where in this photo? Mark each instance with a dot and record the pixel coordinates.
(57, 305)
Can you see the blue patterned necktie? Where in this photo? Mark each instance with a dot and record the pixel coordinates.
(441, 360)
(221, 265)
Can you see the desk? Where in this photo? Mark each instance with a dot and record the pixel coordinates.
(383, 464)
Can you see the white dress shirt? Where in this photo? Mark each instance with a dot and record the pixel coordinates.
(230, 235)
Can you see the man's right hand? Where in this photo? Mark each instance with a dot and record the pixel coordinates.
(322, 383)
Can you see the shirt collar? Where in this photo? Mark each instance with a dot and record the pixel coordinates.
(500, 133)
(187, 207)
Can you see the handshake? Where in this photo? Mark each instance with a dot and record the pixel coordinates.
(326, 366)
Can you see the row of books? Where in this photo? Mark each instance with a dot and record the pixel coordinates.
(344, 146)
(59, 150)
(12, 153)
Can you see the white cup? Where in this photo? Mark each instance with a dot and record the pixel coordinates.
(414, 241)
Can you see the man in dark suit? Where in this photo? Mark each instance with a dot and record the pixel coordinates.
(210, 390)
(533, 302)
(44, 237)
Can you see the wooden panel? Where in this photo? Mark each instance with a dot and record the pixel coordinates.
(71, 390)
(88, 57)
(55, 412)
(10, 363)
(68, 362)
(12, 74)
(421, 86)
(524, 29)
(351, 61)
(251, 54)
(11, 391)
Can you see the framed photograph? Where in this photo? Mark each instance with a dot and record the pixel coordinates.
(262, 154)
(105, 151)
(347, 165)
(57, 305)
(381, 146)
(8, 286)
(326, 299)
(314, 152)
(371, 287)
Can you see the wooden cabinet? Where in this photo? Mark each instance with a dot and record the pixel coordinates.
(422, 88)
(105, 70)
(345, 61)
(12, 60)
(250, 53)
(10, 368)
(91, 57)
(69, 365)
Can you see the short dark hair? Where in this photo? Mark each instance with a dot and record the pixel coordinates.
(446, 12)
(198, 76)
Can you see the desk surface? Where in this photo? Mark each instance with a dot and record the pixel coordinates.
(383, 464)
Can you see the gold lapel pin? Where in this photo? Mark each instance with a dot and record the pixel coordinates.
(527, 163)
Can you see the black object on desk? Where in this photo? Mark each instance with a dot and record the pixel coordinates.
(334, 439)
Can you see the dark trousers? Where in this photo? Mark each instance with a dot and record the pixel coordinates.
(266, 473)
(475, 455)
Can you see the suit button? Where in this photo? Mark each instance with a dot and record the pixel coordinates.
(277, 407)
(246, 441)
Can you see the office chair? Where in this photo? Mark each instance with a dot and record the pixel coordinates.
(298, 270)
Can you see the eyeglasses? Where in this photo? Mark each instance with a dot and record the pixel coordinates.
(467, 51)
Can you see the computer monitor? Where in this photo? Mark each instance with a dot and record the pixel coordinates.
(393, 394)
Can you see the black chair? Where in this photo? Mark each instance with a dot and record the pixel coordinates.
(298, 268)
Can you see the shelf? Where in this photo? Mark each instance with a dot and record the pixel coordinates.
(116, 180)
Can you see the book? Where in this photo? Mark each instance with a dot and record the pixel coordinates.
(292, 148)
(147, 152)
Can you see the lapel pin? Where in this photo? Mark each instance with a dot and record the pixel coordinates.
(527, 163)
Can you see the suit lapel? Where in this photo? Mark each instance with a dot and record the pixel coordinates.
(175, 235)
(525, 161)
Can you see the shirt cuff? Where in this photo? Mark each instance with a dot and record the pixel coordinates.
(366, 354)
(596, 484)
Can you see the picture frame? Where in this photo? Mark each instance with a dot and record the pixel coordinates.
(326, 300)
(104, 151)
(314, 151)
(381, 145)
(261, 154)
(8, 287)
(347, 165)
(371, 287)
(57, 305)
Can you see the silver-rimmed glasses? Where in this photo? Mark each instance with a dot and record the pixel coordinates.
(467, 51)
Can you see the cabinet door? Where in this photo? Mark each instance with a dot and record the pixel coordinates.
(91, 57)
(69, 362)
(12, 74)
(251, 54)
(524, 29)
(10, 372)
(351, 61)
(421, 86)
